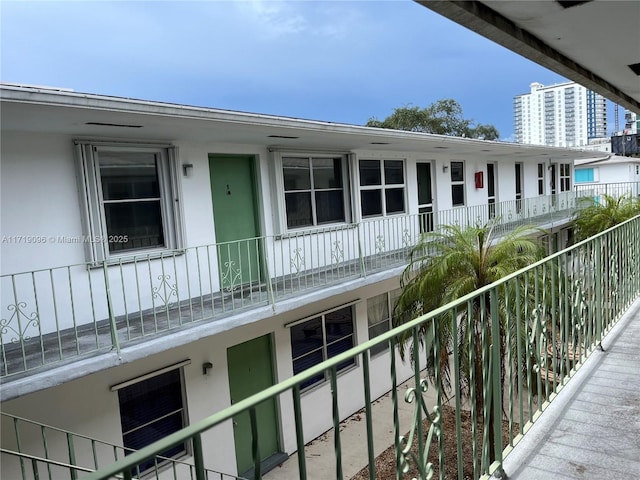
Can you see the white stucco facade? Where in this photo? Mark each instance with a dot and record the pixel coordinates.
(42, 204)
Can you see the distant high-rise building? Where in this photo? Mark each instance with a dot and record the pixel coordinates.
(631, 122)
(563, 115)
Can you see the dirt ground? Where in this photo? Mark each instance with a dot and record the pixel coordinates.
(385, 467)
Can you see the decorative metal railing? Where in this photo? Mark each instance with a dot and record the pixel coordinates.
(54, 314)
(618, 189)
(526, 334)
(54, 453)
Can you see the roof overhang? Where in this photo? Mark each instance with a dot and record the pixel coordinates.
(594, 43)
(608, 160)
(79, 115)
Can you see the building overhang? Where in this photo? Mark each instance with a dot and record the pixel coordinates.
(80, 115)
(594, 43)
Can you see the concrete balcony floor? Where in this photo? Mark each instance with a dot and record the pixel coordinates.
(592, 428)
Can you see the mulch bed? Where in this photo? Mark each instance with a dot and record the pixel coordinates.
(386, 462)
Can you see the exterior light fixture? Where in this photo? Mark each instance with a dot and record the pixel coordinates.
(186, 169)
(206, 366)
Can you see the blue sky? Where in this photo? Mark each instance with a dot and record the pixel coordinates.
(339, 61)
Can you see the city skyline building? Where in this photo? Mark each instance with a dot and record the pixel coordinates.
(560, 115)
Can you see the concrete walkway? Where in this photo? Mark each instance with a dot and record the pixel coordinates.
(592, 428)
(320, 454)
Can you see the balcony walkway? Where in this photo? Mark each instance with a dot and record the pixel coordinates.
(592, 428)
(39, 353)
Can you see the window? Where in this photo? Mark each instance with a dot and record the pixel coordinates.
(457, 183)
(320, 338)
(583, 175)
(380, 315)
(381, 187)
(541, 179)
(313, 190)
(565, 177)
(150, 410)
(129, 199)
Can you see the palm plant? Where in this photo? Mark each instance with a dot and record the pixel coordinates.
(447, 265)
(603, 213)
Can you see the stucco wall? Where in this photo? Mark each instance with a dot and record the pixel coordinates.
(88, 406)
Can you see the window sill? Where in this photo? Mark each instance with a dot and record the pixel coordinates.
(382, 216)
(141, 256)
(326, 382)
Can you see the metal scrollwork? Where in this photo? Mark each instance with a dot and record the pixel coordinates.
(406, 238)
(420, 412)
(579, 310)
(538, 338)
(165, 290)
(337, 252)
(380, 244)
(18, 329)
(297, 260)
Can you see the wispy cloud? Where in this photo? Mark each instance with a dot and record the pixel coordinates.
(329, 60)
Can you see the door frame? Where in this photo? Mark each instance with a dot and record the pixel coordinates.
(427, 223)
(266, 464)
(519, 182)
(492, 180)
(254, 165)
(553, 182)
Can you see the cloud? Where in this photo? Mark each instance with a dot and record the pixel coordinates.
(274, 19)
(329, 60)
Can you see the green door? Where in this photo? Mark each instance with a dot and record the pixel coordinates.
(234, 212)
(251, 371)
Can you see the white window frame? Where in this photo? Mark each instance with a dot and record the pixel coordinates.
(93, 215)
(383, 187)
(565, 178)
(458, 182)
(325, 344)
(391, 298)
(280, 188)
(541, 175)
(182, 410)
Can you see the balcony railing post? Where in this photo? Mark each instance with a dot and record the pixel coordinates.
(198, 458)
(496, 375)
(599, 257)
(115, 344)
(363, 269)
(72, 456)
(267, 273)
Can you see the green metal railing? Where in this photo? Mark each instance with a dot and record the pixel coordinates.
(54, 453)
(532, 330)
(54, 314)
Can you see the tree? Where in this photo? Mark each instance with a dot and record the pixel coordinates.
(443, 117)
(604, 213)
(447, 265)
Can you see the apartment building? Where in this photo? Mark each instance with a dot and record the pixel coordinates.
(162, 262)
(563, 115)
